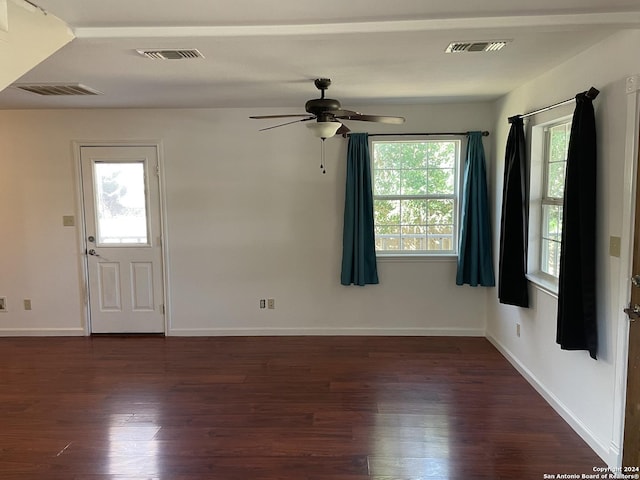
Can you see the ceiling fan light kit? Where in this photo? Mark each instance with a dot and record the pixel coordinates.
(324, 129)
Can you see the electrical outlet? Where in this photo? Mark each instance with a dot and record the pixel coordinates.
(517, 329)
(263, 303)
(271, 303)
(27, 304)
(3, 304)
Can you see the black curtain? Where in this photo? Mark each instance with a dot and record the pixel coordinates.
(512, 282)
(577, 329)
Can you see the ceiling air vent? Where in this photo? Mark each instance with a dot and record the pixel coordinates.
(171, 54)
(486, 46)
(50, 89)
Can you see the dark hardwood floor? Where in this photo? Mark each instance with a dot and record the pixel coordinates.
(257, 408)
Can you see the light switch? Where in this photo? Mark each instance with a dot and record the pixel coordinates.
(614, 246)
(68, 221)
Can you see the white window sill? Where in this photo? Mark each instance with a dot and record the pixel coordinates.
(387, 258)
(544, 282)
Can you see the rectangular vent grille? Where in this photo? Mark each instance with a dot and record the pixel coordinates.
(487, 46)
(171, 54)
(53, 89)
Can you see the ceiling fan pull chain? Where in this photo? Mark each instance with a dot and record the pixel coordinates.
(322, 162)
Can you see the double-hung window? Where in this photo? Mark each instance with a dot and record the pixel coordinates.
(415, 195)
(555, 162)
(550, 144)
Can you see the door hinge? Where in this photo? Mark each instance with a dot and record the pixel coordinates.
(162, 307)
(157, 170)
(633, 312)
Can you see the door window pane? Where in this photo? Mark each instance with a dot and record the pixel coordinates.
(121, 203)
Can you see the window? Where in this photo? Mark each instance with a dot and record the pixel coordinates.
(549, 146)
(555, 162)
(121, 203)
(415, 196)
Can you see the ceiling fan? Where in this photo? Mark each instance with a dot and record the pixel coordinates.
(328, 113)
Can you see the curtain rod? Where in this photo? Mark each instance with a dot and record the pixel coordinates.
(443, 134)
(591, 94)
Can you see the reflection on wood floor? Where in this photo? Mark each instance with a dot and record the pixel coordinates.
(257, 408)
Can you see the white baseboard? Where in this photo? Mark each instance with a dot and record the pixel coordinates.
(42, 332)
(602, 450)
(615, 453)
(401, 332)
(229, 332)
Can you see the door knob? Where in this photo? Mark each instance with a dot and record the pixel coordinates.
(635, 280)
(93, 252)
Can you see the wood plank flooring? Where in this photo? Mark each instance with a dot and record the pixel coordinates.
(266, 408)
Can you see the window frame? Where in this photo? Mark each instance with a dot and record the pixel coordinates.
(539, 181)
(424, 255)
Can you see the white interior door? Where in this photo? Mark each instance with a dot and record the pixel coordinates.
(124, 246)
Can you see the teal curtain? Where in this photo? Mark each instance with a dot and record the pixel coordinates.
(475, 255)
(358, 243)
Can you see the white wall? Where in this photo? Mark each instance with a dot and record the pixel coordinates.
(249, 216)
(27, 37)
(580, 388)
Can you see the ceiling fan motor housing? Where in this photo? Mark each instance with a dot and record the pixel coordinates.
(322, 107)
(318, 106)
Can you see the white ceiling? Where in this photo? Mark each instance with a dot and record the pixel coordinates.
(265, 54)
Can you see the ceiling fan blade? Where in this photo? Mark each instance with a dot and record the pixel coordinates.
(344, 113)
(259, 117)
(287, 123)
(372, 118)
(343, 130)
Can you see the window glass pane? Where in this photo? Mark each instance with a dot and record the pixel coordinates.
(386, 212)
(121, 204)
(555, 180)
(413, 212)
(395, 155)
(414, 237)
(550, 257)
(552, 222)
(442, 154)
(388, 229)
(387, 182)
(544, 252)
(551, 239)
(414, 154)
(555, 259)
(441, 181)
(387, 237)
(440, 212)
(558, 143)
(414, 182)
(440, 237)
(557, 147)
